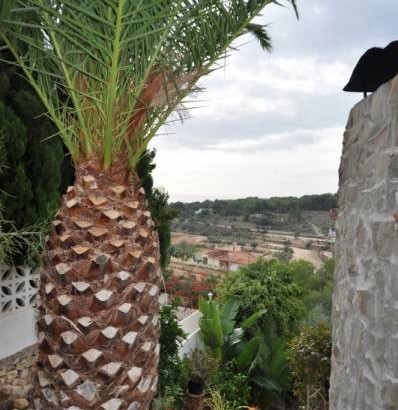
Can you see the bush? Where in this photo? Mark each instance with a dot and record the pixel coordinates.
(267, 285)
(183, 250)
(216, 401)
(172, 379)
(317, 288)
(309, 359)
(232, 385)
(161, 212)
(285, 255)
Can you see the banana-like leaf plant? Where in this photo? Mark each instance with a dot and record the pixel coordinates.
(110, 73)
(218, 332)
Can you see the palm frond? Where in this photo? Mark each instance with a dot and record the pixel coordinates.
(261, 35)
(110, 72)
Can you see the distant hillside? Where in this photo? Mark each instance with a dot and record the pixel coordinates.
(252, 205)
(307, 215)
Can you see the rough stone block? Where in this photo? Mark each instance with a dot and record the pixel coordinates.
(390, 396)
(365, 300)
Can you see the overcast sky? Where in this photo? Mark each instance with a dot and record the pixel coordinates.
(272, 124)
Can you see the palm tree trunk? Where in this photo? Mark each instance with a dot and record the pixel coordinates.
(98, 321)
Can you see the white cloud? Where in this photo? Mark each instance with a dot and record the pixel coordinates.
(273, 124)
(190, 174)
(281, 142)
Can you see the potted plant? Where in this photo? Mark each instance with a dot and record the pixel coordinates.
(201, 367)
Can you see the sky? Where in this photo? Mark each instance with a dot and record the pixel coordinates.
(271, 124)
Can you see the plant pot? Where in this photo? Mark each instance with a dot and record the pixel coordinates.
(194, 401)
(196, 387)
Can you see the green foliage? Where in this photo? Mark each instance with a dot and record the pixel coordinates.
(183, 250)
(124, 66)
(162, 215)
(218, 332)
(285, 255)
(232, 385)
(237, 352)
(268, 285)
(14, 181)
(172, 378)
(258, 208)
(317, 288)
(31, 181)
(212, 280)
(201, 365)
(269, 374)
(292, 293)
(322, 202)
(20, 245)
(309, 359)
(32, 175)
(161, 212)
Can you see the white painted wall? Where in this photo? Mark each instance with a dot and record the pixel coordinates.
(17, 331)
(190, 325)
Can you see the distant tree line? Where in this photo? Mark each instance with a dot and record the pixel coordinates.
(254, 205)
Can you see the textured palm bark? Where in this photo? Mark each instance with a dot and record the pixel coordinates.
(98, 326)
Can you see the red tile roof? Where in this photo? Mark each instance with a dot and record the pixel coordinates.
(239, 257)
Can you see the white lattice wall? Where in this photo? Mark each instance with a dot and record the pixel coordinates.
(18, 290)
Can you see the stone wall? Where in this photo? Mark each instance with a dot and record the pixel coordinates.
(365, 316)
(16, 375)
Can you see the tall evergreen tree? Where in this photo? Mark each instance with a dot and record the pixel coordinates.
(31, 183)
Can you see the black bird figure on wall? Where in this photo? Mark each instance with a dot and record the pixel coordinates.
(376, 67)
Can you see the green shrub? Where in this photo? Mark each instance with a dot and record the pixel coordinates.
(317, 288)
(269, 375)
(161, 212)
(285, 255)
(232, 385)
(183, 250)
(172, 374)
(267, 285)
(309, 360)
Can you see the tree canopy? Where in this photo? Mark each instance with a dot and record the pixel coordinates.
(110, 73)
(253, 205)
(268, 285)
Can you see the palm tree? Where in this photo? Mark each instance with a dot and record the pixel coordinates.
(110, 73)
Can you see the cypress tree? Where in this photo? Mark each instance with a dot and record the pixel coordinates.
(31, 182)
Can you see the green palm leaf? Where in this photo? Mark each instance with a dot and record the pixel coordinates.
(248, 353)
(110, 72)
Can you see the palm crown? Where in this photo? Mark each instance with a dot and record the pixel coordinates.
(110, 72)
